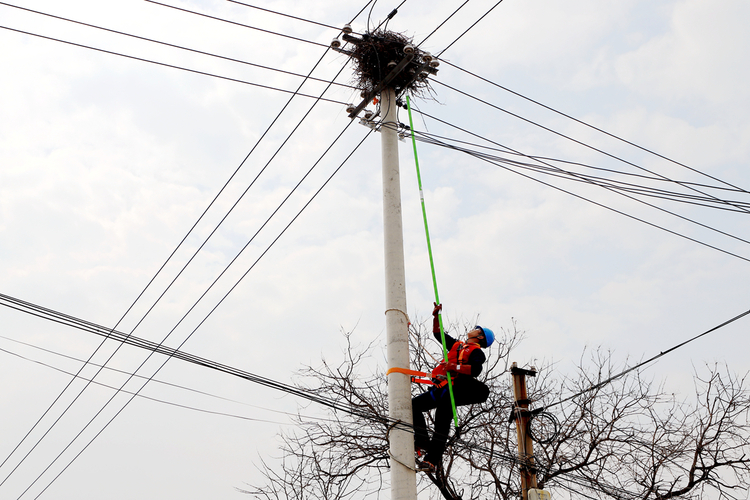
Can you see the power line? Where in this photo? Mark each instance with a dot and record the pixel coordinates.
(596, 128)
(124, 372)
(363, 9)
(592, 201)
(614, 184)
(649, 360)
(316, 101)
(132, 340)
(285, 15)
(80, 324)
(196, 303)
(161, 382)
(209, 313)
(193, 227)
(236, 23)
(161, 268)
(563, 135)
(620, 172)
(142, 396)
(196, 51)
(236, 80)
(441, 24)
(469, 28)
(388, 17)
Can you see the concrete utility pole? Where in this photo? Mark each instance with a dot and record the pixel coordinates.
(389, 65)
(403, 478)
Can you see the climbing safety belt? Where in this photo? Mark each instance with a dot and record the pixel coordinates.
(432, 263)
(414, 374)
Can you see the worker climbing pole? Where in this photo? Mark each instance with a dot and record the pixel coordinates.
(388, 67)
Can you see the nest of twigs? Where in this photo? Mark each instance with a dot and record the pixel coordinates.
(373, 56)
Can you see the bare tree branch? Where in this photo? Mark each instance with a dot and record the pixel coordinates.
(627, 439)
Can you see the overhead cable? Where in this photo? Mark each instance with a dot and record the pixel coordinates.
(389, 17)
(236, 23)
(615, 184)
(132, 340)
(287, 103)
(285, 15)
(469, 28)
(236, 80)
(649, 360)
(142, 396)
(166, 44)
(596, 128)
(156, 381)
(505, 150)
(592, 201)
(202, 296)
(363, 9)
(162, 267)
(90, 327)
(563, 135)
(157, 273)
(124, 372)
(620, 192)
(212, 310)
(441, 24)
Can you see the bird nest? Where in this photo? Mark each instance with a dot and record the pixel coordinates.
(375, 57)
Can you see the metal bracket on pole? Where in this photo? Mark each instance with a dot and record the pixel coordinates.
(383, 83)
(343, 51)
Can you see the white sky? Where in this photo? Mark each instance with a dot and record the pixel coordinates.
(106, 162)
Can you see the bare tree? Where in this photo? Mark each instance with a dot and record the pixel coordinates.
(624, 439)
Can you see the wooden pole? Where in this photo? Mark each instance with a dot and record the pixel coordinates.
(521, 416)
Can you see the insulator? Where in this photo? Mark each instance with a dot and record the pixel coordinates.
(347, 28)
(434, 64)
(392, 64)
(368, 114)
(408, 49)
(427, 57)
(350, 108)
(335, 43)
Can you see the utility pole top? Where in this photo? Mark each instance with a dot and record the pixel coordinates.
(386, 59)
(515, 370)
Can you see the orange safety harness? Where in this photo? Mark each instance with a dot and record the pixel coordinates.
(459, 352)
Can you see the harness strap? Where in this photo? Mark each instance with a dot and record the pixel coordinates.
(414, 374)
(405, 371)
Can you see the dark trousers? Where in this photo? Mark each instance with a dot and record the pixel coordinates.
(466, 391)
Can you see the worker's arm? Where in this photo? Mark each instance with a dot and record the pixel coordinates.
(449, 341)
(436, 318)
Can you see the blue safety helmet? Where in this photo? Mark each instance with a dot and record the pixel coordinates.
(489, 335)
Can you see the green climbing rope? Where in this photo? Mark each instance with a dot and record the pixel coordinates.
(432, 262)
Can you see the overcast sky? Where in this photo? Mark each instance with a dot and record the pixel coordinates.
(107, 162)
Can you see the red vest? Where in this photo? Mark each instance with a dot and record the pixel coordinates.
(458, 355)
